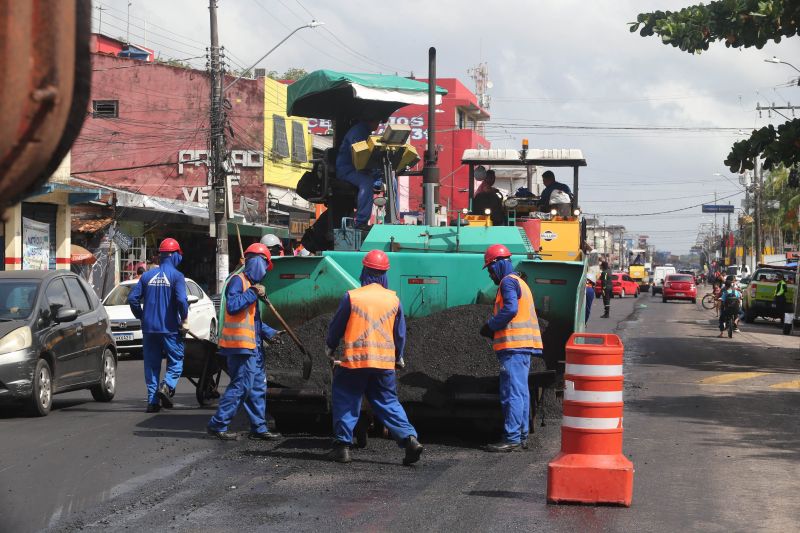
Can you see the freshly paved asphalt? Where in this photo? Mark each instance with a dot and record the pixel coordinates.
(712, 427)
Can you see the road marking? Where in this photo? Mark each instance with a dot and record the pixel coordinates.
(791, 385)
(731, 377)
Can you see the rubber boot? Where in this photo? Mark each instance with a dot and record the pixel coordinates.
(340, 452)
(413, 451)
(605, 314)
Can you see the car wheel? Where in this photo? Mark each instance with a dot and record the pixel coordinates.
(104, 391)
(749, 317)
(212, 332)
(42, 394)
(663, 299)
(636, 294)
(694, 300)
(622, 293)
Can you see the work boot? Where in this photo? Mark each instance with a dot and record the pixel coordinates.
(360, 433)
(266, 435)
(605, 314)
(153, 408)
(224, 435)
(165, 395)
(340, 452)
(524, 444)
(413, 450)
(504, 447)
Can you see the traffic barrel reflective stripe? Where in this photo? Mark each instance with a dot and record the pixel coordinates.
(591, 467)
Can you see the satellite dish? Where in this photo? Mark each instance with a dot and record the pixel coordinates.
(489, 84)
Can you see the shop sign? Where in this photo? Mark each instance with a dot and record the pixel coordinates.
(36, 245)
(298, 224)
(239, 158)
(122, 240)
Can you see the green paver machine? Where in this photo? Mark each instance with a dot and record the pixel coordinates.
(433, 267)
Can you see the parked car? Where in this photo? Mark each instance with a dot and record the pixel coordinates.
(759, 292)
(622, 285)
(127, 329)
(54, 337)
(659, 273)
(679, 287)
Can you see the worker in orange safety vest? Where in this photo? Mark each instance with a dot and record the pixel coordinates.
(371, 321)
(514, 331)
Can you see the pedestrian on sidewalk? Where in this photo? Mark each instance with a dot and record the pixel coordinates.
(371, 321)
(240, 342)
(780, 297)
(515, 334)
(159, 301)
(608, 288)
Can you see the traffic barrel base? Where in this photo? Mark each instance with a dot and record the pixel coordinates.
(590, 479)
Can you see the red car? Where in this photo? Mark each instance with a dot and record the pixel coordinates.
(622, 285)
(679, 287)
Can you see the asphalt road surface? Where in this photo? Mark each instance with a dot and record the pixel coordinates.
(711, 425)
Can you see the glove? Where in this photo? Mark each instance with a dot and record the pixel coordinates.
(277, 338)
(259, 289)
(184, 327)
(487, 332)
(400, 364)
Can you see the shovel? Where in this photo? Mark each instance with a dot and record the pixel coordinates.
(308, 362)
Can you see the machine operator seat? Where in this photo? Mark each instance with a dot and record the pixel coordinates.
(493, 201)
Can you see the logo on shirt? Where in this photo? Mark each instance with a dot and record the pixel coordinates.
(159, 280)
(549, 236)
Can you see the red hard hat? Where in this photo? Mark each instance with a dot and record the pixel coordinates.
(495, 252)
(376, 259)
(170, 245)
(262, 250)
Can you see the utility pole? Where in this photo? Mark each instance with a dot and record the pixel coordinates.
(757, 177)
(218, 223)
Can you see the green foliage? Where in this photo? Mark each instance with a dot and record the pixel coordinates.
(780, 202)
(293, 74)
(740, 23)
(173, 62)
(778, 146)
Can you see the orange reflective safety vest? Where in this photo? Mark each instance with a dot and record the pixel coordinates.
(369, 335)
(239, 329)
(523, 330)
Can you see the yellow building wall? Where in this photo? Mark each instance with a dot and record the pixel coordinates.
(281, 171)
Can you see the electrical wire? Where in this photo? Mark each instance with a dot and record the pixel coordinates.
(662, 212)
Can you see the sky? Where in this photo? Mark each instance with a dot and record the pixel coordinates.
(654, 123)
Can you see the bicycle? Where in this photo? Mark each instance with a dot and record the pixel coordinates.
(709, 301)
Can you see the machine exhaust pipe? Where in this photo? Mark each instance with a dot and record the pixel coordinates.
(430, 172)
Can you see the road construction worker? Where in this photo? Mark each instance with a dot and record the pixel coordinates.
(274, 244)
(554, 190)
(590, 294)
(366, 181)
(240, 342)
(514, 330)
(159, 301)
(371, 321)
(608, 287)
(780, 296)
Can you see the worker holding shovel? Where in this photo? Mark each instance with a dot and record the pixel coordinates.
(240, 342)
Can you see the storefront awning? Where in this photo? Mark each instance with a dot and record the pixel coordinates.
(77, 195)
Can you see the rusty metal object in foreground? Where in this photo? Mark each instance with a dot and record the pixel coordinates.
(45, 78)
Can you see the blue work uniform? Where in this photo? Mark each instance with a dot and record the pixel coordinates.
(248, 379)
(515, 363)
(364, 180)
(159, 301)
(379, 385)
(544, 200)
(589, 301)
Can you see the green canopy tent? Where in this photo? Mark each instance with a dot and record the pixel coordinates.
(345, 95)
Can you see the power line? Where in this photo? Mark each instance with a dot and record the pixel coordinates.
(661, 212)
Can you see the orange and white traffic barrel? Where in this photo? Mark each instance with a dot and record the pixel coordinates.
(591, 467)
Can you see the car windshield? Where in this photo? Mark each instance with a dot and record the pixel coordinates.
(681, 278)
(772, 276)
(118, 296)
(17, 298)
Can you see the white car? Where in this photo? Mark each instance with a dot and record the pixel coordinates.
(127, 329)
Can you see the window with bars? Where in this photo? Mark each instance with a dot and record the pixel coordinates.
(280, 144)
(299, 154)
(105, 108)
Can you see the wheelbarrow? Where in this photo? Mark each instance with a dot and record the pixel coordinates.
(203, 367)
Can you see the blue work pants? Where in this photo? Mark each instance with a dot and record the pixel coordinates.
(248, 386)
(154, 347)
(366, 185)
(515, 397)
(380, 387)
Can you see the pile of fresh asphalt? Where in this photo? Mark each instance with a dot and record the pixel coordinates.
(444, 356)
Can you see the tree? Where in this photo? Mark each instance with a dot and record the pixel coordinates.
(740, 24)
(173, 62)
(292, 74)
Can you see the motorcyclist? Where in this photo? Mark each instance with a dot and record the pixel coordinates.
(731, 299)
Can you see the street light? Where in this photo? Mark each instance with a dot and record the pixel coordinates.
(312, 24)
(775, 59)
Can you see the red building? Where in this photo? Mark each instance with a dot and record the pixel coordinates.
(103, 44)
(456, 121)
